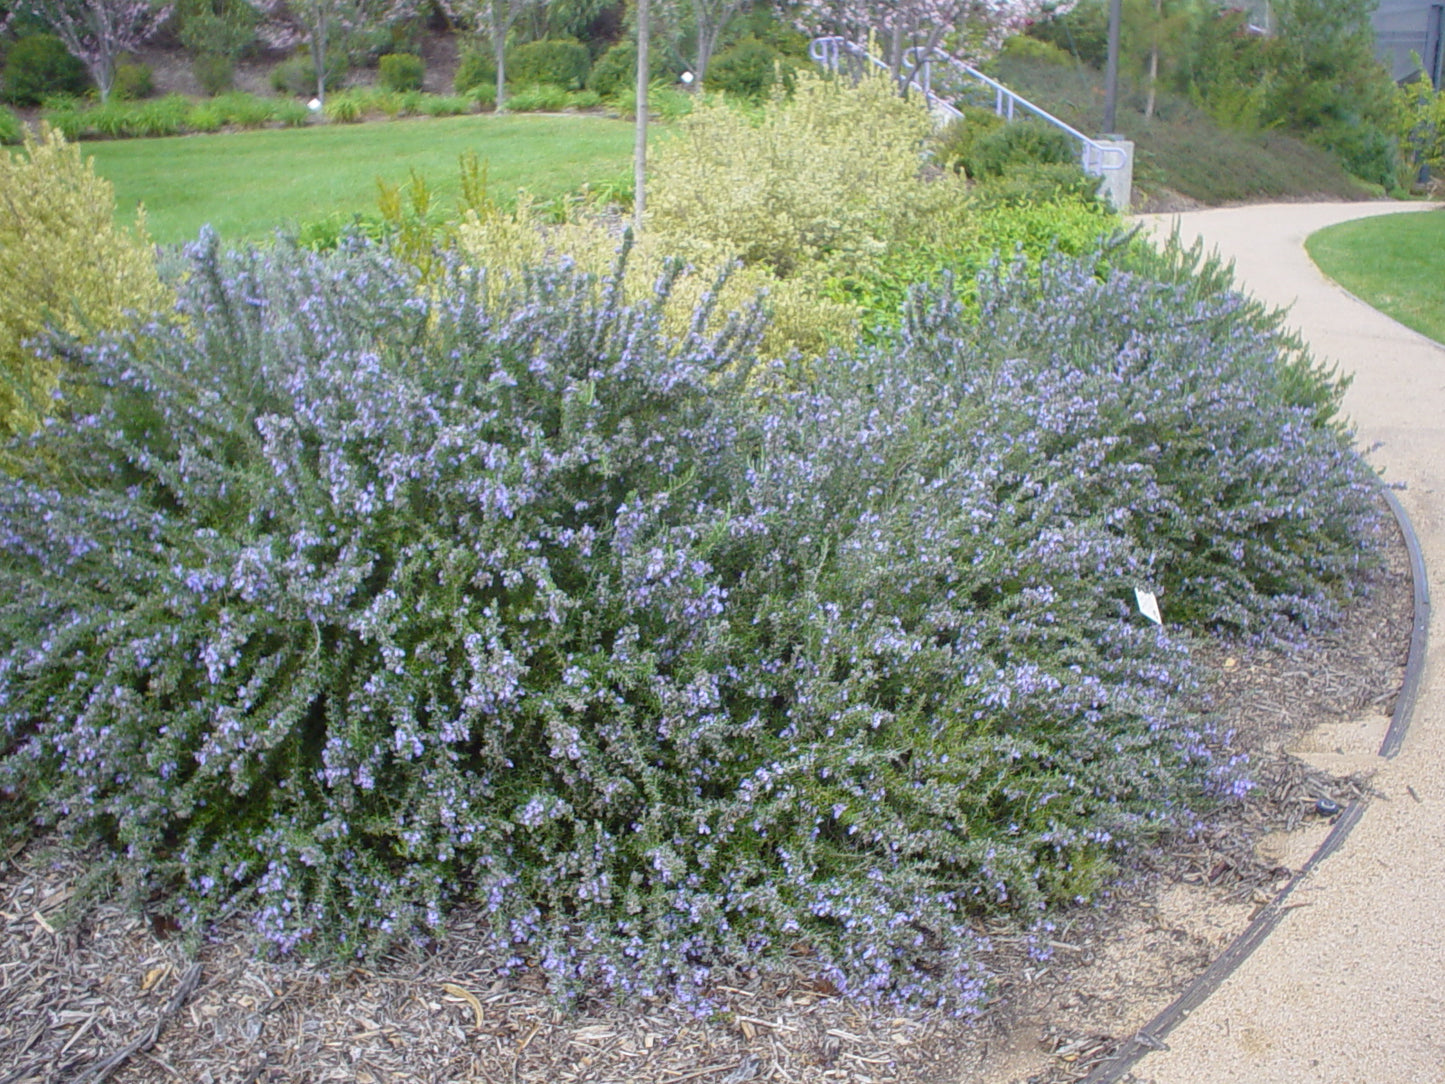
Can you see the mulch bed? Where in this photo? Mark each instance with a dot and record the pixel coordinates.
(106, 992)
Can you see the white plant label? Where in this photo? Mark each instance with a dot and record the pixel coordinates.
(1148, 605)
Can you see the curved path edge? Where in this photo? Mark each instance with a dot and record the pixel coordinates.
(1342, 978)
(1151, 1036)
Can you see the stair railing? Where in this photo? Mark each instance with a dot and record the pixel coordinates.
(1095, 157)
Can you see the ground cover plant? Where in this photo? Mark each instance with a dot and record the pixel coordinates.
(248, 184)
(1393, 263)
(1180, 147)
(354, 595)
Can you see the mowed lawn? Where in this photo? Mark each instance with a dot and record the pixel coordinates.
(1395, 263)
(247, 184)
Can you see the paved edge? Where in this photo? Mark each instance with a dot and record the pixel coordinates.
(1151, 1036)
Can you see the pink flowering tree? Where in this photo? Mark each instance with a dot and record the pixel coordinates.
(96, 32)
(898, 27)
(326, 25)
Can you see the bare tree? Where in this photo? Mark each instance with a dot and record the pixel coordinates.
(711, 18)
(326, 25)
(495, 19)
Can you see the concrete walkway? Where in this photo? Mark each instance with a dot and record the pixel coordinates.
(1350, 988)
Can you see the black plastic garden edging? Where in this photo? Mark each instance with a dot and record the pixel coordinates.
(1151, 1036)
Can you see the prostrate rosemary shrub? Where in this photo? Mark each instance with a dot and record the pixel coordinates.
(1189, 421)
(350, 597)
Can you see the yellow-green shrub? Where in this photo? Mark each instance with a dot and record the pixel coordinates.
(63, 262)
(801, 320)
(829, 178)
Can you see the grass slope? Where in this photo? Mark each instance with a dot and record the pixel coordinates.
(1396, 263)
(246, 184)
(1180, 148)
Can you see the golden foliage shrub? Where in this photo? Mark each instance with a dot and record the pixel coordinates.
(63, 263)
(801, 321)
(825, 181)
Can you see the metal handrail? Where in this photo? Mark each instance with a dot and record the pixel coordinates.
(826, 51)
(1095, 156)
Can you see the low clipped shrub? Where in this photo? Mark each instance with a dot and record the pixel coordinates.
(38, 67)
(400, 72)
(952, 144)
(584, 99)
(63, 262)
(560, 62)
(1015, 144)
(341, 611)
(475, 70)
(615, 71)
(750, 69)
(1034, 184)
(133, 81)
(484, 95)
(12, 129)
(296, 76)
(1020, 47)
(544, 98)
(215, 73)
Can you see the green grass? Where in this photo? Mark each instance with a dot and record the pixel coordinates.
(1395, 263)
(246, 184)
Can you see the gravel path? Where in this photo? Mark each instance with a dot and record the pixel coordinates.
(1351, 987)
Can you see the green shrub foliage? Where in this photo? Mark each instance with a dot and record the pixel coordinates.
(616, 70)
(349, 596)
(1005, 148)
(474, 71)
(214, 72)
(400, 72)
(133, 81)
(561, 62)
(749, 69)
(12, 129)
(38, 67)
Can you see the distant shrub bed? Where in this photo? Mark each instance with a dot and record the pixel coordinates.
(176, 115)
(345, 597)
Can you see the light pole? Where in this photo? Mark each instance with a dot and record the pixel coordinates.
(1111, 70)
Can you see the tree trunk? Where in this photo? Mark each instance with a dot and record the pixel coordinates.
(1154, 58)
(498, 32)
(318, 58)
(639, 152)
